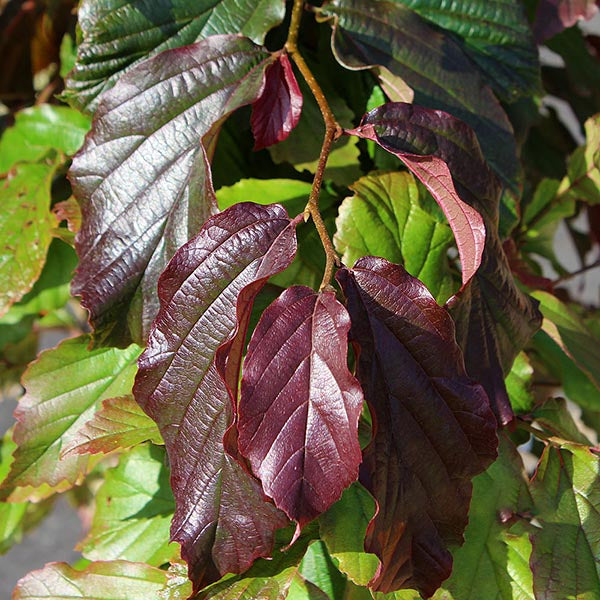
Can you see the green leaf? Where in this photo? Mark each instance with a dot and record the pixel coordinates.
(134, 507)
(64, 387)
(495, 35)
(302, 589)
(343, 528)
(518, 384)
(570, 332)
(51, 290)
(582, 181)
(566, 491)
(493, 562)
(111, 580)
(119, 423)
(39, 129)
(387, 34)
(318, 568)
(116, 35)
(178, 586)
(389, 216)
(555, 417)
(307, 267)
(25, 229)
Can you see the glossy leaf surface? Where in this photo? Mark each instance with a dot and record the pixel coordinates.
(110, 580)
(299, 404)
(390, 35)
(394, 126)
(74, 381)
(144, 184)
(433, 427)
(25, 229)
(389, 217)
(117, 35)
(566, 492)
(222, 519)
(134, 507)
(119, 423)
(277, 110)
(495, 35)
(39, 129)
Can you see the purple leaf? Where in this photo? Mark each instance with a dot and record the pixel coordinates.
(143, 177)
(491, 303)
(466, 223)
(222, 519)
(553, 16)
(299, 406)
(277, 110)
(433, 427)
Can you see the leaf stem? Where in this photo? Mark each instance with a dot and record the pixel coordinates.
(333, 131)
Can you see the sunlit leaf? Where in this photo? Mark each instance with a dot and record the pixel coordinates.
(318, 568)
(143, 183)
(433, 427)
(388, 217)
(222, 519)
(117, 35)
(118, 423)
(64, 387)
(518, 384)
(134, 507)
(25, 228)
(110, 580)
(299, 404)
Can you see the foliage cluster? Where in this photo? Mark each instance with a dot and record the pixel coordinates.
(309, 239)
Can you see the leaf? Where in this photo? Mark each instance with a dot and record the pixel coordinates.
(302, 589)
(572, 335)
(318, 568)
(566, 492)
(299, 404)
(392, 126)
(433, 427)
(389, 35)
(555, 417)
(134, 507)
(489, 564)
(64, 387)
(111, 580)
(39, 129)
(144, 183)
(221, 519)
(51, 290)
(307, 267)
(277, 110)
(116, 35)
(582, 181)
(518, 384)
(178, 586)
(388, 217)
(553, 16)
(497, 38)
(25, 229)
(343, 528)
(119, 423)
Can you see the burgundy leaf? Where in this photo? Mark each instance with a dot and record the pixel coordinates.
(433, 427)
(466, 223)
(222, 519)
(277, 110)
(299, 406)
(553, 16)
(143, 178)
(494, 319)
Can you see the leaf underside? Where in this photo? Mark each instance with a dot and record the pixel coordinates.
(433, 427)
(221, 519)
